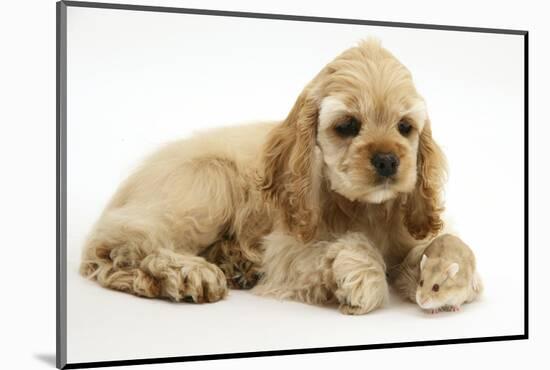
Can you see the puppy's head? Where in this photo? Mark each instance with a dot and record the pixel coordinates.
(362, 126)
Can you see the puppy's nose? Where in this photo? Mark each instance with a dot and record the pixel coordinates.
(385, 163)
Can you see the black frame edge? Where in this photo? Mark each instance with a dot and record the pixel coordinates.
(61, 198)
(288, 17)
(304, 351)
(61, 182)
(526, 184)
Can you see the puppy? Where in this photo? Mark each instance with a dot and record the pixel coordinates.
(314, 207)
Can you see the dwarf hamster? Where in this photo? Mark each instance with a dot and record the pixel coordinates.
(448, 276)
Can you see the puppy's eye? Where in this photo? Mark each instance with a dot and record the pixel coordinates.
(349, 128)
(421, 282)
(404, 128)
(435, 288)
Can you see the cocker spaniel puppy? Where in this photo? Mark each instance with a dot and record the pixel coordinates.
(312, 208)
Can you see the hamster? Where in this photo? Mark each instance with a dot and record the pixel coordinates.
(448, 276)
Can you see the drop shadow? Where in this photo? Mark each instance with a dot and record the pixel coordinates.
(47, 358)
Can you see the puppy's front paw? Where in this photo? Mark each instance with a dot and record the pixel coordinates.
(361, 291)
(359, 275)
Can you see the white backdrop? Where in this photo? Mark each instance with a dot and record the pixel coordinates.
(28, 157)
(139, 79)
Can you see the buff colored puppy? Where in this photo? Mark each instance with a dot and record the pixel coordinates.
(311, 208)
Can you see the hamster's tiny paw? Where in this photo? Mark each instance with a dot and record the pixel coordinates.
(455, 308)
(434, 311)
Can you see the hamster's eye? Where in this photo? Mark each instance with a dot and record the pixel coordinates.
(348, 128)
(404, 128)
(421, 282)
(435, 288)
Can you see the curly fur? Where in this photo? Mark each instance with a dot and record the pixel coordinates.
(289, 203)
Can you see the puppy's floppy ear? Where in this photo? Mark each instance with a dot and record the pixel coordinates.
(289, 178)
(423, 206)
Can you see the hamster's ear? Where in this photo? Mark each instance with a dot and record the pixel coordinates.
(423, 262)
(452, 269)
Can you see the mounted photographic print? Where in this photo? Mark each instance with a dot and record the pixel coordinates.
(242, 184)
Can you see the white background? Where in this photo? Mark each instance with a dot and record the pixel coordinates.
(139, 79)
(28, 191)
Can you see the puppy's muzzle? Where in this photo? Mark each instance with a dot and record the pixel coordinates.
(386, 164)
